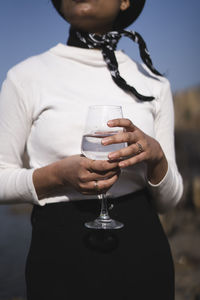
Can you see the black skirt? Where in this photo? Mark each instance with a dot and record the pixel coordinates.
(67, 261)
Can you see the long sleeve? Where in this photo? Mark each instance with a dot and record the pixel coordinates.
(15, 181)
(42, 112)
(168, 192)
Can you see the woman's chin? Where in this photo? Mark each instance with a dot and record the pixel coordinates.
(90, 25)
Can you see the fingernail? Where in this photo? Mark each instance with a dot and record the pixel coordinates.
(112, 156)
(121, 165)
(110, 123)
(105, 141)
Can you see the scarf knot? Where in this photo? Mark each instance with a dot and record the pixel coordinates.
(93, 40)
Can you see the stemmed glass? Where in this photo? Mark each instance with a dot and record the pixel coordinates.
(96, 128)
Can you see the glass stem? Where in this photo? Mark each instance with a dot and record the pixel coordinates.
(104, 216)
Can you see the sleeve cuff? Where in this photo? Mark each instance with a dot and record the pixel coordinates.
(167, 192)
(165, 179)
(27, 190)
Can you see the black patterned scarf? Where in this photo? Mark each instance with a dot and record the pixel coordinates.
(108, 43)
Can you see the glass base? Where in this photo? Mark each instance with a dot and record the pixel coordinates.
(104, 224)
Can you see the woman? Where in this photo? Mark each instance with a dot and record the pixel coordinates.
(43, 106)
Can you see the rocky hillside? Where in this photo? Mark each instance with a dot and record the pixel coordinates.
(182, 224)
(187, 109)
(187, 142)
(187, 131)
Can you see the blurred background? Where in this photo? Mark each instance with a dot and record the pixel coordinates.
(171, 31)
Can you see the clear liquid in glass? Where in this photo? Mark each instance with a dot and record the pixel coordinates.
(93, 148)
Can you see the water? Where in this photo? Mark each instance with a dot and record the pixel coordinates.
(15, 234)
(93, 148)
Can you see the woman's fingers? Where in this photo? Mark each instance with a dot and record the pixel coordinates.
(91, 176)
(129, 135)
(96, 177)
(126, 123)
(98, 186)
(132, 150)
(132, 160)
(121, 137)
(135, 139)
(101, 166)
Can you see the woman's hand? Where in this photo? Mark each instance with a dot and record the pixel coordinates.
(87, 176)
(141, 148)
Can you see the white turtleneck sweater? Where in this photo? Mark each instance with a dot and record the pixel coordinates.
(43, 106)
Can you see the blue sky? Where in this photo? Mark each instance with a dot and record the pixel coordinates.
(170, 29)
